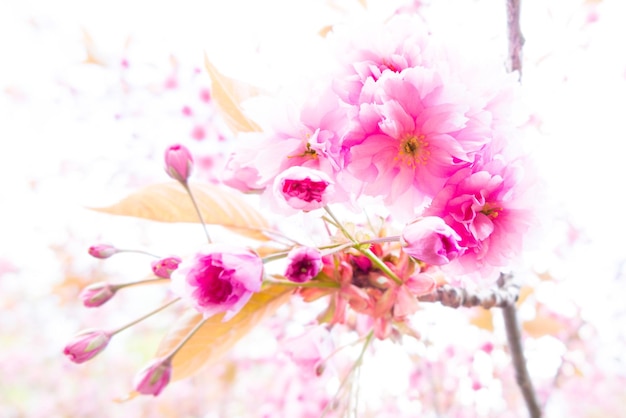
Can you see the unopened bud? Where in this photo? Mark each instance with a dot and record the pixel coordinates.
(97, 294)
(154, 377)
(102, 251)
(164, 267)
(178, 162)
(86, 345)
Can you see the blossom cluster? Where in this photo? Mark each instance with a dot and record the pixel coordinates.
(403, 121)
(400, 122)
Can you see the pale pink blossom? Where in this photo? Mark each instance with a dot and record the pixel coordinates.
(310, 350)
(178, 162)
(308, 137)
(152, 379)
(164, 267)
(431, 240)
(97, 294)
(86, 345)
(304, 264)
(303, 188)
(482, 204)
(219, 278)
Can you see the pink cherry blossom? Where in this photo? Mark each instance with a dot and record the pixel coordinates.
(178, 162)
(97, 294)
(431, 240)
(483, 205)
(414, 130)
(303, 188)
(219, 278)
(304, 264)
(86, 345)
(154, 377)
(309, 137)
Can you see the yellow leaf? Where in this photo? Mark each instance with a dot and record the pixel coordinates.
(215, 337)
(543, 324)
(169, 202)
(482, 318)
(228, 94)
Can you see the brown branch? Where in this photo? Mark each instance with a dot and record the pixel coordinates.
(455, 297)
(516, 39)
(514, 337)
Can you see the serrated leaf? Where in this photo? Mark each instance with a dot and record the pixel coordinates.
(228, 95)
(215, 337)
(169, 202)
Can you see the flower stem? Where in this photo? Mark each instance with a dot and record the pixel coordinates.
(195, 206)
(356, 364)
(365, 251)
(139, 282)
(187, 338)
(313, 284)
(121, 250)
(130, 324)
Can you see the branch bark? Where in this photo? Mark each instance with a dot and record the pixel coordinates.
(514, 338)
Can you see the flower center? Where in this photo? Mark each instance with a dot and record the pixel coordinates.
(214, 286)
(413, 151)
(308, 152)
(491, 210)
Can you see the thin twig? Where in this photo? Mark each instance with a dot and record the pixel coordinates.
(514, 337)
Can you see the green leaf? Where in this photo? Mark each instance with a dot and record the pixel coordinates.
(169, 202)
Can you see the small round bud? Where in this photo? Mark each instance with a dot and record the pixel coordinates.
(164, 267)
(154, 377)
(86, 345)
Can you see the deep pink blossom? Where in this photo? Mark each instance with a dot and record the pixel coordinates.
(97, 294)
(86, 345)
(102, 251)
(154, 377)
(483, 205)
(304, 264)
(431, 240)
(303, 188)
(178, 162)
(164, 267)
(219, 278)
(414, 130)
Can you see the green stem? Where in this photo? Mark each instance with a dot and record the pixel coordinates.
(356, 364)
(121, 250)
(310, 284)
(195, 206)
(187, 338)
(366, 252)
(139, 282)
(130, 324)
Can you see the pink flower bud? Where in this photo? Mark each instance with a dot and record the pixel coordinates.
(97, 294)
(154, 377)
(303, 188)
(102, 251)
(304, 264)
(431, 240)
(164, 267)
(178, 162)
(86, 345)
(219, 278)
